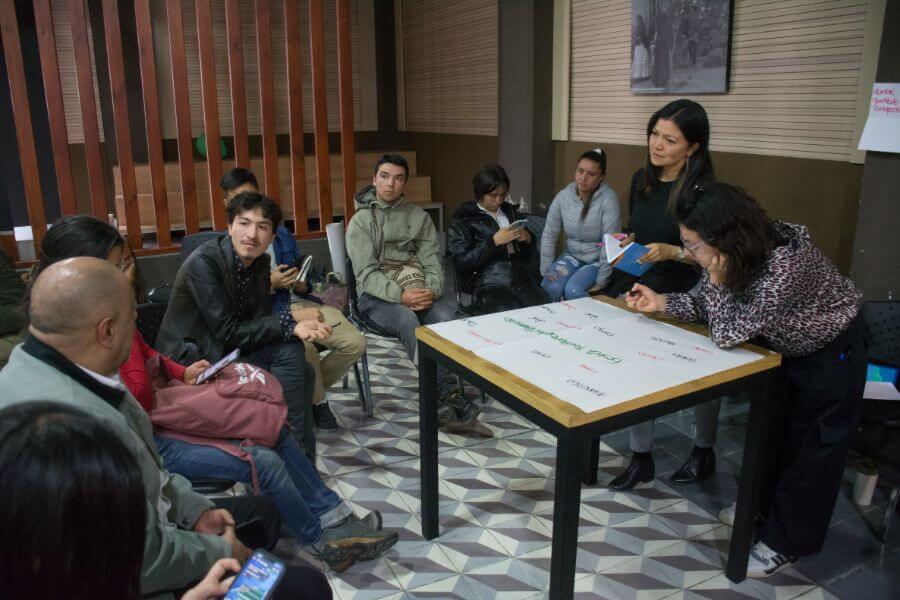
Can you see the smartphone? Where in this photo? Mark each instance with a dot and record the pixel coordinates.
(303, 266)
(518, 224)
(224, 362)
(258, 579)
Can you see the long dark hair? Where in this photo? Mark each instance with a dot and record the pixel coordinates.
(729, 220)
(76, 235)
(691, 119)
(74, 513)
(598, 156)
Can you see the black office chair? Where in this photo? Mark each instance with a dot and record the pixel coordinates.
(149, 318)
(189, 243)
(878, 436)
(367, 327)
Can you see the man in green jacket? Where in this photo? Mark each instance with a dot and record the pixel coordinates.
(82, 326)
(12, 317)
(399, 277)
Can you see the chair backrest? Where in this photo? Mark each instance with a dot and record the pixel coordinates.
(883, 320)
(536, 227)
(191, 242)
(352, 305)
(149, 319)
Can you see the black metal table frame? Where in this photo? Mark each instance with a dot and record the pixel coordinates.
(577, 459)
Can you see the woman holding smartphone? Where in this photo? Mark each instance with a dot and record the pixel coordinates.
(677, 158)
(586, 210)
(765, 279)
(491, 247)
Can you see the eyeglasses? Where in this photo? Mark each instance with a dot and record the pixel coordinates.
(692, 248)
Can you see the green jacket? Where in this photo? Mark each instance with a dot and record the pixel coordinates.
(174, 556)
(408, 231)
(12, 291)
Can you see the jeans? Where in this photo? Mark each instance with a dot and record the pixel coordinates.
(573, 278)
(398, 320)
(287, 362)
(306, 504)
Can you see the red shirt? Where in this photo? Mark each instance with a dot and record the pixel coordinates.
(134, 371)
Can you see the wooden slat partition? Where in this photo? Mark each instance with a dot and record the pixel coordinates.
(236, 80)
(56, 111)
(93, 155)
(151, 120)
(12, 51)
(210, 110)
(295, 115)
(267, 96)
(113, 34)
(345, 89)
(182, 116)
(320, 110)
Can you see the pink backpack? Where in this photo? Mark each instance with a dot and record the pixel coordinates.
(244, 402)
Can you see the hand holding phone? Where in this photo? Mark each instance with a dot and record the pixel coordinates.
(518, 224)
(258, 579)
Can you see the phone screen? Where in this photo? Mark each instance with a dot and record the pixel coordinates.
(519, 224)
(257, 579)
(224, 362)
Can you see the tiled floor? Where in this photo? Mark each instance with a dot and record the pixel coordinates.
(496, 511)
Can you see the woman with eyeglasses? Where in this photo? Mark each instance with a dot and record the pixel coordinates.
(677, 160)
(765, 279)
(81, 235)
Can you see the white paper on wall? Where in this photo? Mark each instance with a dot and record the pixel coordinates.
(882, 129)
(589, 353)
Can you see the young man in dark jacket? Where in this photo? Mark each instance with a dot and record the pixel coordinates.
(221, 301)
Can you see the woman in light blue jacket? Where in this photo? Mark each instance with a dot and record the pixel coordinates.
(586, 210)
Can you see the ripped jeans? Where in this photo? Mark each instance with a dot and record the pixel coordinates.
(573, 278)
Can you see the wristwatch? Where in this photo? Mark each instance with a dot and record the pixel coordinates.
(681, 253)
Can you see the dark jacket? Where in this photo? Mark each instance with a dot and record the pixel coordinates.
(203, 320)
(481, 263)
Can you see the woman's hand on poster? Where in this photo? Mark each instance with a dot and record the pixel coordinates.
(659, 252)
(192, 372)
(718, 268)
(644, 299)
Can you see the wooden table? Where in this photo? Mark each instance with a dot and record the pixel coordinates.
(578, 437)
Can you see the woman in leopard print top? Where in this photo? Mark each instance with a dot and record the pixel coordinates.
(765, 279)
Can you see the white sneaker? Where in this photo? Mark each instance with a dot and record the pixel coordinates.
(764, 561)
(726, 515)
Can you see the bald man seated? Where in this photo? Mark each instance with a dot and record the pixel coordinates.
(82, 316)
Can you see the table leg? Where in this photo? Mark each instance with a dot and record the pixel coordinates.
(593, 462)
(428, 441)
(571, 454)
(751, 475)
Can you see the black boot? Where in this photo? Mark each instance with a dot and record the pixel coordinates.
(640, 469)
(700, 465)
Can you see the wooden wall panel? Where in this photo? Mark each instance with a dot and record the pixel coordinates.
(56, 112)
(320, 109)
(345, 75)
(293, 51)
(267, 96)
(236, 80)
(211, 126)
(795, 71)
(450, 66)
(12, 53)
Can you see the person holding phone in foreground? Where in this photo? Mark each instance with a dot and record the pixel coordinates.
(74, 523)
(491, 248)
(765, 279)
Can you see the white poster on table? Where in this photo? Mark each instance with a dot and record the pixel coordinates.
(882, 130)
(589, 353)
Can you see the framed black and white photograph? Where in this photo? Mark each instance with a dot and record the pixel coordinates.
(680, 46)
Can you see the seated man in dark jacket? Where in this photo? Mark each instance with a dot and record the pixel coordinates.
(489, 252)
(221, 301)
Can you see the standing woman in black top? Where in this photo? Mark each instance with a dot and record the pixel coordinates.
(677, 160)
